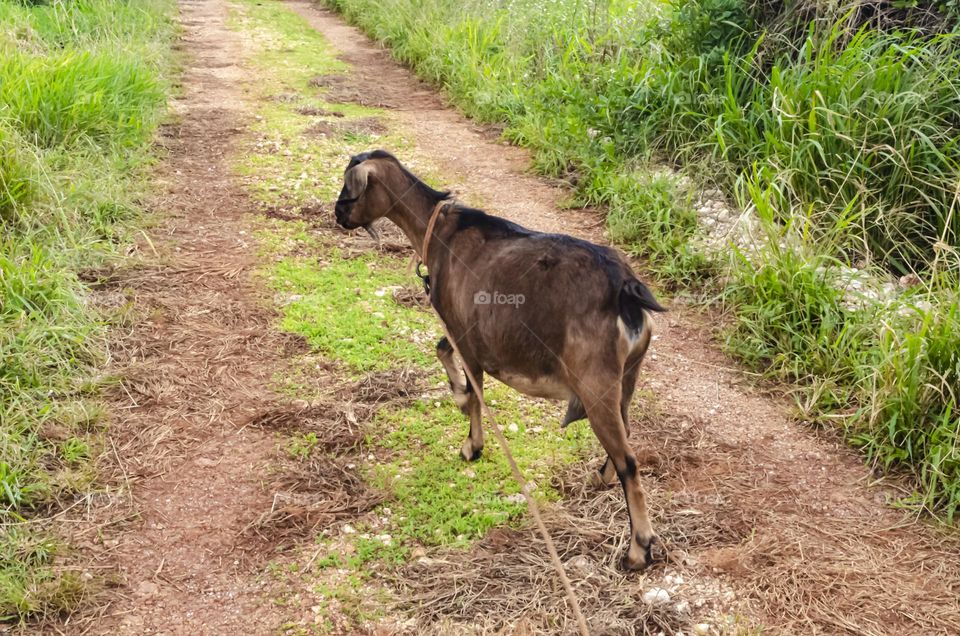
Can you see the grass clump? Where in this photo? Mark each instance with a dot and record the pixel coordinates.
(61, 98)
(347, 310)
(911, 413)
(15, 173)
(82, 89)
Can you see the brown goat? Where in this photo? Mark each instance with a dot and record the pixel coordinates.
(550, 315)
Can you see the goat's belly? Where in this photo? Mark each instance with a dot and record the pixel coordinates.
(543, 387)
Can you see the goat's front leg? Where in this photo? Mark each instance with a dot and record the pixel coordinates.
(466, 397)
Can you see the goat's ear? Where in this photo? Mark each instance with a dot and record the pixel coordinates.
(358, 176)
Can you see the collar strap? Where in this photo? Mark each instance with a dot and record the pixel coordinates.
(424, 252)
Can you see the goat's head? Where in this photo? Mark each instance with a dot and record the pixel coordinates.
(371, 185)
(374, 184)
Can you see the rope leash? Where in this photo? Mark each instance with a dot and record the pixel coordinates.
(531, 502)
(532, 505)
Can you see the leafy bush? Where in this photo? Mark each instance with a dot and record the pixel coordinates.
(710, 28)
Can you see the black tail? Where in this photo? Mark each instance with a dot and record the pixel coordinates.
(634, 299)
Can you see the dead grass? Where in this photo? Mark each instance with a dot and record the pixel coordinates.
(343, 89)
(310, 495)
(313, 111)
(411, 297)
(316, 213)
(336, 426)
(395, 385)
(361, 126)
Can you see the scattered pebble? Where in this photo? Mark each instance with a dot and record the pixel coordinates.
(656, 596)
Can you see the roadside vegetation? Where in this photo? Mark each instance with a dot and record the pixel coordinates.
(341, 293)
(835, 126)
(82, 87)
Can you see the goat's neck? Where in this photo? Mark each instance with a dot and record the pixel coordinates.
(411, 213)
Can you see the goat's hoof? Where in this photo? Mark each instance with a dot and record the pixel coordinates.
(468, 453)
(604, 478)
(597, 481)
(638, 557)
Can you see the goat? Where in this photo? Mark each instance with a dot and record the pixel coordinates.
(550, 315)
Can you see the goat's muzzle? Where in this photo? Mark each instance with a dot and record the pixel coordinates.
(342, 213)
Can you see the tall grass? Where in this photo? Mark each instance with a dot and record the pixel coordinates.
(82, 88)
(844, 139)
(867, 128)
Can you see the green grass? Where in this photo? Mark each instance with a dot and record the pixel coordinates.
(346, 310)
(82, 88)
(845, 142)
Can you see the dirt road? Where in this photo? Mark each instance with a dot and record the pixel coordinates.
(761, 515)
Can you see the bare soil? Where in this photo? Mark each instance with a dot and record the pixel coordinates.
(760, 517)
(194, 372)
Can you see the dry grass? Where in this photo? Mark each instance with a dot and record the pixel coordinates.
(313, 111)
(310, 495)
(337, 427)
(343, 89)
(412, 297)
(395, 385)
(361, 126)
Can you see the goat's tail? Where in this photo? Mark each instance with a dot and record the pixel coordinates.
(635, 298)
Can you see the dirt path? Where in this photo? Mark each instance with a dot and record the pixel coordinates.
(194, 372)
(751, 504)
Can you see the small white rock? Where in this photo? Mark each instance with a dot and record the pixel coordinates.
(701, 629)
(656, 596)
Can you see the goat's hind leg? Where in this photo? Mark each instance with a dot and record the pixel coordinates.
(466, 398)
(608, 474)
(607, 423)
